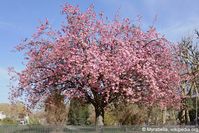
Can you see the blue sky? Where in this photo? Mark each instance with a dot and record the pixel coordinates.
(19, 19)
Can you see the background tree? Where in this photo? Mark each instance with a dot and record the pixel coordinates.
(78, 113)
(138, 114)
(55, 108)
(189, 55)
(127, 114)
(98, 61)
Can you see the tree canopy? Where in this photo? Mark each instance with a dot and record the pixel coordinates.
(98, 61)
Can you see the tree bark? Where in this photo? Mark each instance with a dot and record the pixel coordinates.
(174, 117)
(183, 117)
(187, 116)
(99, 115)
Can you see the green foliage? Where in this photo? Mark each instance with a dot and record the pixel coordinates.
(132, 114)
(136, 114)
(190, 103)
(192, 109)
(125, 114)
(110, 118)
(78, 113)
(34, 121)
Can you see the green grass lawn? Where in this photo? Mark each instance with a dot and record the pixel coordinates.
(71, 129)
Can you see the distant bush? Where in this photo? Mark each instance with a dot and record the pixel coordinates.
(8, 121)
(34, 121)
(78, 113)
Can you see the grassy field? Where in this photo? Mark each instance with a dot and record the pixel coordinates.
(79, 129)
(68, 129)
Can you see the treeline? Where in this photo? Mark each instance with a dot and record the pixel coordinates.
(79, 113)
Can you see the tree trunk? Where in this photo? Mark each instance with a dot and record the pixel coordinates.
(164, 117)
(187, 116)
(183, 120)
(99, 115)
(174, 117)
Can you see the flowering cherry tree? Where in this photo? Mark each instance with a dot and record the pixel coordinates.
(98, 61)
